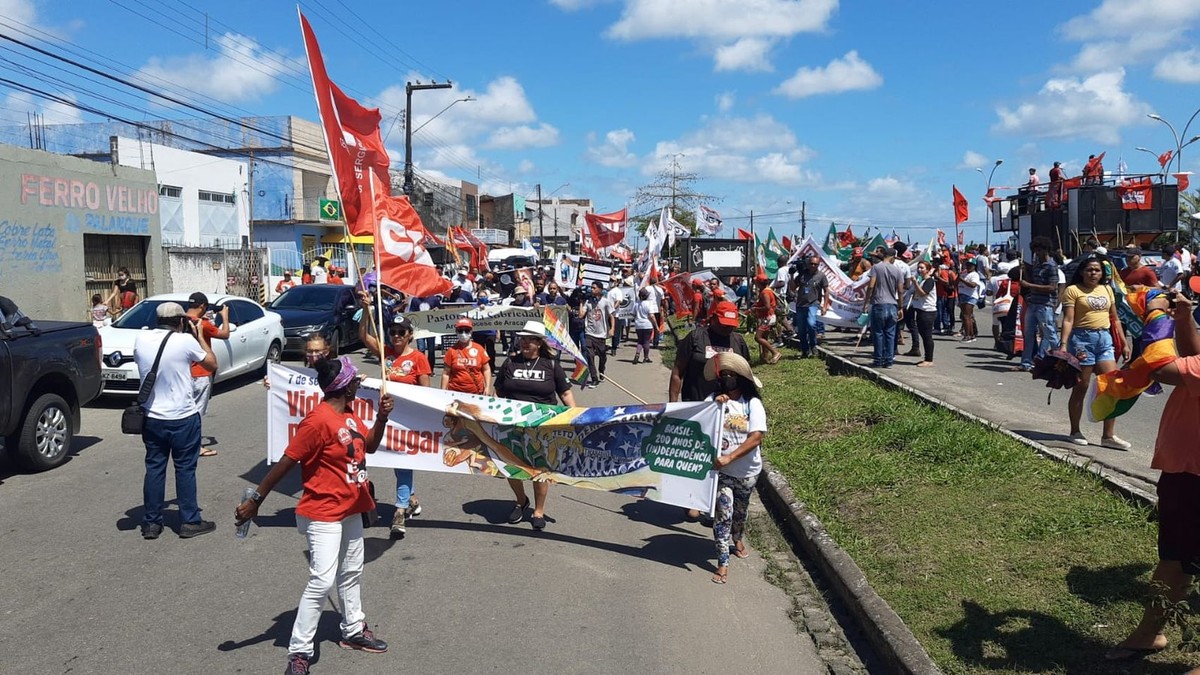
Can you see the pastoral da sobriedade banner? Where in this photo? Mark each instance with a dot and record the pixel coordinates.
(662, 451)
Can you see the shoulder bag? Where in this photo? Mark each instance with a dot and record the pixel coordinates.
(133, 419)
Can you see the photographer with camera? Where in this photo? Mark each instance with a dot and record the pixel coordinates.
(200, 315)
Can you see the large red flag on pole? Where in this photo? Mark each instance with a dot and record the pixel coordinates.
(404, 263)
(606, 229)
(356, 152)
(960, 206)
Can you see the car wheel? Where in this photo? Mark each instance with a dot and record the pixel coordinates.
(335, 343)
(274, 355)
(44, 439)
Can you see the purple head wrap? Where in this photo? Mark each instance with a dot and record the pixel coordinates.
(344, 376)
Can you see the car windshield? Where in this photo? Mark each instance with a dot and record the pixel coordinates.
(142, 315)
(316, 297)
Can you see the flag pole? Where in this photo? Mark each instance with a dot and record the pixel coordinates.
(379, 334)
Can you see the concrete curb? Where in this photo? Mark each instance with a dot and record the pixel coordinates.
(1123, 484)
(893, 642)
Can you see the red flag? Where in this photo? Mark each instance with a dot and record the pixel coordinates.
(404, 264)
(1182, 179)
(621, 252)
(960, 206)
(679, 288)
(846, 238)
(1092, 168)
(462, 242)
(1136, 194)
(742, 234)
(941, 236)
(1165, 158)
(787, 244)
(481, 249)
(356, 151)
(606, 228)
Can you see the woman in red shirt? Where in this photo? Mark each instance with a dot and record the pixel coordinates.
(467, 367)
(331, 446)
(407, 365)
(764, 311)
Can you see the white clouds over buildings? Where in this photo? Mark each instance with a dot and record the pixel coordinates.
(848, 73)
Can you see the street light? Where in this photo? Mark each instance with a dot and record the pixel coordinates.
(439, 113)
(541, 225)
(1155, 156)
(987, 228)
(409, 88)
(1178, 137)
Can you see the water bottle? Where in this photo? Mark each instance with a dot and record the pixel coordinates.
(243, 530)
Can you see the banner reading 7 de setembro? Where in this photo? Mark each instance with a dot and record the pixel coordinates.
(662, 452)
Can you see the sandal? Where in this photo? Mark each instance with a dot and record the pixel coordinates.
(740, 550)
(721, 576)
(208, 452)
(778, 356)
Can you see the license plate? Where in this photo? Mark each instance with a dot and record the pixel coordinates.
(114, 375)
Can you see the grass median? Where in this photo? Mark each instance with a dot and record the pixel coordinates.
(996, 558)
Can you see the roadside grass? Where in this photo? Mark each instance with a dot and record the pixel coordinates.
(996, 558)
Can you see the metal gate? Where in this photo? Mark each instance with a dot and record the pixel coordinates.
(245, 270)
(103, 255)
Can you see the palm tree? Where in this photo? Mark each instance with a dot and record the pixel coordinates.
(1189, 204)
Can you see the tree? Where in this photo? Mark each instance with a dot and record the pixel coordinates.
(1188, 205)
(671, 187)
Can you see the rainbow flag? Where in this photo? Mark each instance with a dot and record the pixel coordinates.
(558, 335)
(1114, 393)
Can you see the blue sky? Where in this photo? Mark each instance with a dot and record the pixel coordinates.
(867, 111)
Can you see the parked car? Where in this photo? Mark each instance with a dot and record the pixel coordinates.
(256, 338)
(327, 309)
(48, 371)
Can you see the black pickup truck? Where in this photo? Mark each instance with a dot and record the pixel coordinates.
(48, 371)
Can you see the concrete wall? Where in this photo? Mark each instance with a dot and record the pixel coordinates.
(47, 203)
(188, 270)
(192, 172)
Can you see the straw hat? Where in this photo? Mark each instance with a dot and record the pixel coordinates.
(535, 329)
(732, 362)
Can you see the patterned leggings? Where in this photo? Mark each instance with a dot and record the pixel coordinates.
(733, 499)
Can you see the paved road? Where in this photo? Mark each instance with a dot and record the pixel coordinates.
(612, 584)
(978, 379)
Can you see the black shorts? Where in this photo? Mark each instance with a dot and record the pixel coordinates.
(1179, 520)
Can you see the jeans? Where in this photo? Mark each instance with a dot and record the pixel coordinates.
(805, 324)
(883, 335)
(945, 317)
(618, 334)
(178, 440)
(335, 556)
(1038, 319)
(404, 487)
(596, 350)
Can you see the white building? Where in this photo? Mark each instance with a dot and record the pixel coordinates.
(203, 200)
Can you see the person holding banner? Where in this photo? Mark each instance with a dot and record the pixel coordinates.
(740, 460)
(406, 365)
(467, 366)
(533, 375)
(331, 447)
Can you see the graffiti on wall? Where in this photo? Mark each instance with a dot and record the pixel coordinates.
(30, 247)
(106, 209)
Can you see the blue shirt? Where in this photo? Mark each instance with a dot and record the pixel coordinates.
(1044, 274)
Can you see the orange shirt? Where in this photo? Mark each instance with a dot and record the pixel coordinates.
(1176, 451)
(767, 302)
(331, 448)
(465, 368)
(408, 368)
(210, 329)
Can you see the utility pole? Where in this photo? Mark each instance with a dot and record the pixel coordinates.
(250, 203)
(803, 222)
(409, 88)
(541, 226)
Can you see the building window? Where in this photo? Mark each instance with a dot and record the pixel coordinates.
(472, 208)
(219, 197)
(170, 191)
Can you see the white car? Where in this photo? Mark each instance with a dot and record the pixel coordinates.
(255, 337)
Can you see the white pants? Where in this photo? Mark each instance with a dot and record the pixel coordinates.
(335, 553)
(201, 392)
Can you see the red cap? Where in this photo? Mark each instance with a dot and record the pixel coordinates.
(697, 282)
(464, 323)
(726, 313)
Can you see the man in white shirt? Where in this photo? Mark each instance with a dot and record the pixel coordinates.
(468, 286)
(172, 425)
(1170, 272)
(319, 274)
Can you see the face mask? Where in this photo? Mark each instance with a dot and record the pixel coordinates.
(464, 336)
(727, 382)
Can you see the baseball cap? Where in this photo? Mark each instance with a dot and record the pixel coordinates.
(169, 310)
(464, 323)
(401, 322)
(726, 313)
(697, 282)
(196, 299)
(857, 250)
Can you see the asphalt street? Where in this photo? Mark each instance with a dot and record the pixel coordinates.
(612, 584)
(978, 379)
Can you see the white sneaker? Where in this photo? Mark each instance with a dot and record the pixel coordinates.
(1078, 439)
(1115, 443)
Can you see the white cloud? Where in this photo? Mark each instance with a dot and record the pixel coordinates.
(240, 70)
(1182, 67)
(614, 152)
(1118, 33)
(1095, 107)
(725, 101)
(749, 54)
(525, 136)
(525, 166)
(848, 73)
(502, 103)
(18, 103)
(972, 160)
(744, 150)
(18, 12)
(572, 5)
(741, 33)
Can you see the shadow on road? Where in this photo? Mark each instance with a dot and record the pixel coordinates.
(280, 632)
(9, 466)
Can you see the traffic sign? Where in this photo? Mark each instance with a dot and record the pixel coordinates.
(330, 209)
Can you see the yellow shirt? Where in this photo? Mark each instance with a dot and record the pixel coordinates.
(1091, 309)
